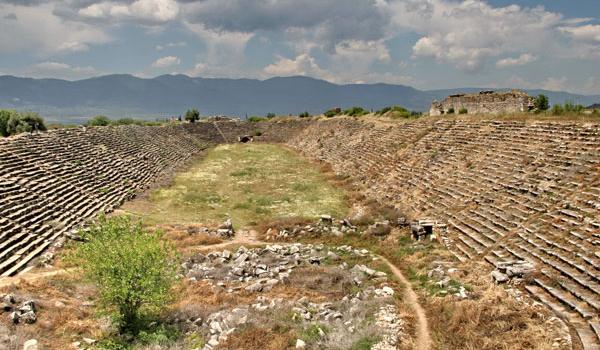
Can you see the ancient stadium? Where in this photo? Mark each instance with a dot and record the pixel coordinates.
(449, 232)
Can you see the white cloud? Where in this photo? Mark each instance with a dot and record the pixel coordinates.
(146, 11)
(468, 34)
(199, 69)
(522, 60)
(588, 33)
(74, 46)
(167, 61)
(303, 64)
(170, 45)
(39, 31)
(224, 54)
(61, 70)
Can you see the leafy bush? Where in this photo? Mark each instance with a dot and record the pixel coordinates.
(383, 110)
(557, 109)
(541, 103)
(450, 110)
(304, 114)
(270, 115)
(355, 112)
(256, 119)
(463, 111)
(127, 121)
(24, 122)
(192, 115)
(5, 116)
(333, 112)
(134, 270)
(99, 120)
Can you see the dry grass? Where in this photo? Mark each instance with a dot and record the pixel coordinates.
(186, 239)
(254, 337)
(493, 321)
(65, 312)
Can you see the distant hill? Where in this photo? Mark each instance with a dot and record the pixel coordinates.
(594, 106)
(126, 95)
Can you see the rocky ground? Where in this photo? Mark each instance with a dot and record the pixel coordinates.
(364, 309)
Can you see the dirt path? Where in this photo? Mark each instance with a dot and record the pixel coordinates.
(423, 341)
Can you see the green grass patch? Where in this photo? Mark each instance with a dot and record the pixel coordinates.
(251, 183)
(365, 343)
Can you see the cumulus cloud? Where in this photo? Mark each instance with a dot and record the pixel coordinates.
(224, 51)
(145, 11)
(522, 60)
(167, 61)
(588, 33)
(467, 34)
(41, 32)
(301, 65)
(329, 22)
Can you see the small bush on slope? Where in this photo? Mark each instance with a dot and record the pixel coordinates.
(134, 270)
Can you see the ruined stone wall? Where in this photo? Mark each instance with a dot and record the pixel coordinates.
(484, 103)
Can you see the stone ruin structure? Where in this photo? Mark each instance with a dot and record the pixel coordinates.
(512, 193)
(484, 102)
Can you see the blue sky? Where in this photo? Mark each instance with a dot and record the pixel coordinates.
(427, 44)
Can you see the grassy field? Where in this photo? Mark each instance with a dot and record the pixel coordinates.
(251, 183)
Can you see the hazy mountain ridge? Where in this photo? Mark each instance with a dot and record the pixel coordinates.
(126, 95)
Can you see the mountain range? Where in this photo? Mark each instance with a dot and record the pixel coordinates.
(170, 95)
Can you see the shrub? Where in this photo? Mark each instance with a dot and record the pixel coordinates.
(571, 107)
(383, 110)
(541, 103)
(270, 115)
(450, 110)
(557, 109)
(25, 122)
(134, 270)
(304, 114)
(256, 119)
(127, 121)
(99, 120)
(355, 112)
(5, 116)
(192, 115)
(333, 112)
(463, 111)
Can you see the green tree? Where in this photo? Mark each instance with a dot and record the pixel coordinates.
(134, 269)
(541, 103)
(270, 115)
(304, 115)
(192, 115)
(99, 120)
